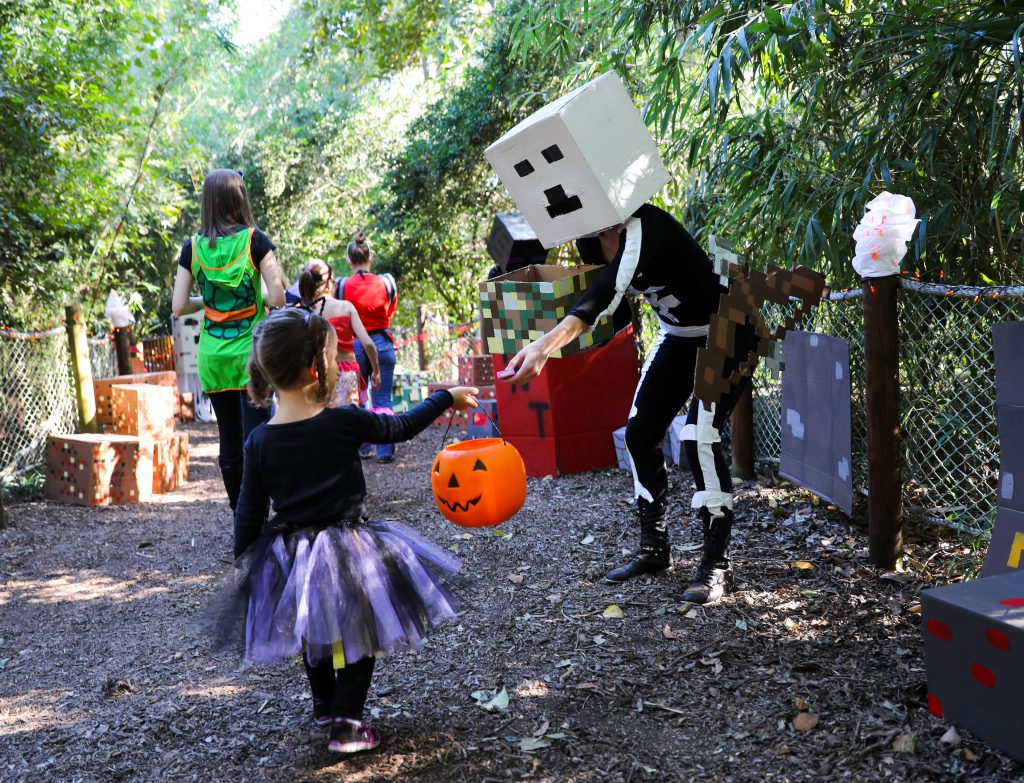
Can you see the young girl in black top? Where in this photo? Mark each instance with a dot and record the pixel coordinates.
(319, 578)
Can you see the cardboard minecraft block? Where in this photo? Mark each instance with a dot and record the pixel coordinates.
(186, 407)
(973, 639)
(460, 419)
(672, 446)
(1007, 544)
(476, 370)
(97, 470)
(144, 410)
(513, 244)
(185, 330)
(581, 164)
(562, 421)
(521, 306)
(102, 389)
(482, 420)
(816, 442)
(170, 462)
(622, 457)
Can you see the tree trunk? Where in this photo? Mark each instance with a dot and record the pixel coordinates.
(743, 434)
(123, 348)
(81, 368)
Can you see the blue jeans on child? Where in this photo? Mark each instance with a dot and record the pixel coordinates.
(380, 398)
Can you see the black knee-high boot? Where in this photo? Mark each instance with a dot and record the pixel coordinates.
(714, 573)
(231, 472)
(655, 554)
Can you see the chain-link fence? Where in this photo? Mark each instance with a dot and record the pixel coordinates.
(947, 395)
(38, 396)
(102, 357)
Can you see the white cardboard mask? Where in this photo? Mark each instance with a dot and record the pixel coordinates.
(580, 164)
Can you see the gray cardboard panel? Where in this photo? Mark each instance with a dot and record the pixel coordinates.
(973, 637)
(1008, 341)
(1011, 457)
(816, 444)
(1005, 553)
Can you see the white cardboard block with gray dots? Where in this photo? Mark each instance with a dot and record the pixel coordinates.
(1006, 549)
(581, 164)
(816, 445)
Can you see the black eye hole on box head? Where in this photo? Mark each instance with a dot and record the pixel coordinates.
(551, 155)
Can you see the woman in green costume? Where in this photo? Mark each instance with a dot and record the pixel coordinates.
(228, 258)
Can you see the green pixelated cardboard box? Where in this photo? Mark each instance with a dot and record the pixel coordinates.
(518, 307)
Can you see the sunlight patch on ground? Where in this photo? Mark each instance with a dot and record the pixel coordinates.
(32, 711)
(80, 587)
(531, 688)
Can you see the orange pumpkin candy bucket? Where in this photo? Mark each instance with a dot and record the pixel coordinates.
(478, 483)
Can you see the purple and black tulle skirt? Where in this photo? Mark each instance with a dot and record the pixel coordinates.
(342, 592)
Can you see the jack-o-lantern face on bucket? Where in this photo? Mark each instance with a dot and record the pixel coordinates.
(478, 483)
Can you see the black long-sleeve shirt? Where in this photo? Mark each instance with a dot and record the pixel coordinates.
(310, 470)
(669, 268)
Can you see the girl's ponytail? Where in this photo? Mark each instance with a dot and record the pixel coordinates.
(261, 393)
(310, 281)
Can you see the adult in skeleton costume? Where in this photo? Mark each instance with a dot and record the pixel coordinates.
(653, 255)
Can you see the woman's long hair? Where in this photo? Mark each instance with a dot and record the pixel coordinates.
(224, 205)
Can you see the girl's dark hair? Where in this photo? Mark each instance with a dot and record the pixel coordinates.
(224, 205)
(359, 250)
(284, 346)
(311, 278)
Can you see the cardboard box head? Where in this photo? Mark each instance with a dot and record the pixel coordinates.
(518, 307)
(512, 240)
(581, 164)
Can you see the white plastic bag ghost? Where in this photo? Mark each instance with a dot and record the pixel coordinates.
(117, 311)
(882, 235)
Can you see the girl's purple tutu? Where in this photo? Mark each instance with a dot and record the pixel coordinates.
(368, 587)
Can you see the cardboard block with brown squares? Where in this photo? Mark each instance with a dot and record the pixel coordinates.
(519, 307)
(102, 389)
(144, 410)
(170, 462)
(97, 470)
(476, 370)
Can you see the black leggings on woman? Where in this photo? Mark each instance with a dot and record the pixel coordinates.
(236, 418)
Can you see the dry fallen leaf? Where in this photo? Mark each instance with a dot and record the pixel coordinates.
(970, 755)
(951, 737)
(516, 579)
(805, 721)
(784, 749)
(905, 743)
(801, 704)
(802, 565)
(668, 633)
(613, 612)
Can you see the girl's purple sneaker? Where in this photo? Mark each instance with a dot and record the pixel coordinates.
(351, 736)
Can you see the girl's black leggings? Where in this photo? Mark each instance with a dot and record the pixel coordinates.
(344, 688)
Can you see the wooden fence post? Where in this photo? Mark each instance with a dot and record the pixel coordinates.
(743, 434)
(421, 345)
(122, 346)
(882, 386)
(81, 368)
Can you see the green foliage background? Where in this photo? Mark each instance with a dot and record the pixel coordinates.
(778, 121)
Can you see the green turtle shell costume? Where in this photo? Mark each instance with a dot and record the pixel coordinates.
(230, 284)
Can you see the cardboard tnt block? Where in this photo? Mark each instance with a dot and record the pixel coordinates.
(973, 640)
(518, 307)
(586, 394)
(144, 410)
(97, 470)
(621, 453)
(104, 396)
(170, 462)
(480, 419)
(476, 370)
(461, 418)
